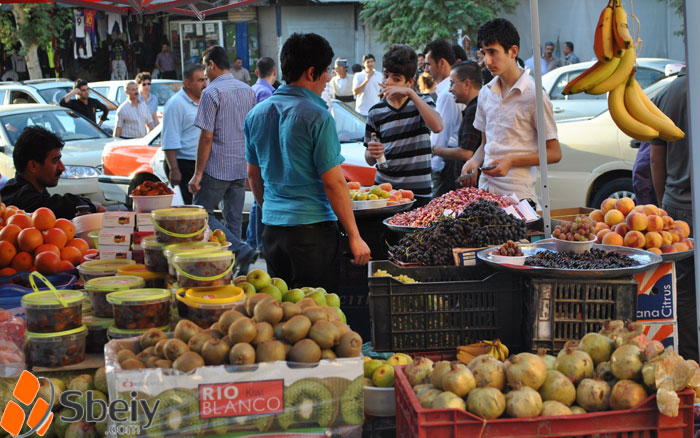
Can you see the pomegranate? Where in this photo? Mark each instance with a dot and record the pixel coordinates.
(418, 371)
(426, 399)
(604, 372)
(523, 402)
(577, 410)
(548, 359)
(597, 346)
(612, 328)
(574, 364)
(552, 408)
(593, 395)
(459, 380)
(558, 387)
(490, 373)
(526, 369)
(487, 403)
(481, 358)
(448, 400)
(439, 370)
(626, 394)
(626, 362)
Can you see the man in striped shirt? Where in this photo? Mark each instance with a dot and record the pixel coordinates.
(402, 122)
(133, 117)
(220, 171)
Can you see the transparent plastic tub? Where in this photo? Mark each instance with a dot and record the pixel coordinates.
(101, 268)
(116, 333)
(97, 333)
(169, 251)
(46, 314)
(153, 256)
(98, 288)
(140, 308)
(194, 269)
(175, 225)
(204, 306)
(152, 280)
(56, 349)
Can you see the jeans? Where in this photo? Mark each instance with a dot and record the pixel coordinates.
(211, 192)
(253, 235)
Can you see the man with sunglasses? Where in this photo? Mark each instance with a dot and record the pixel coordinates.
(144, 80)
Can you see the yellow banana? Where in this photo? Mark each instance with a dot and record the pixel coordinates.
(494, 351)
(637, 109)
(603, 40)
(465, 357)
(679, 134)
(628, 124)
(505, 351)
(619, 76)
(620, 27)
(597, 73)
(475, 349)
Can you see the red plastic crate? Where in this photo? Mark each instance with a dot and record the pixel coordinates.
(643, 421)
(435, 355)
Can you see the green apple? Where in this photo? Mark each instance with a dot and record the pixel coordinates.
(307, 289)
(342, 315)
(240, 279)
(383, 376)
(248, 288)
(259, 279)
(272, 291)
(320, 289)
(372, 365)
(280, 284)
(318, 297)
(333, 300)
(293, 295)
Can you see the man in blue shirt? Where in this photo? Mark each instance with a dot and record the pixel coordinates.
(293, 156)
(180, 135)
(143, 80)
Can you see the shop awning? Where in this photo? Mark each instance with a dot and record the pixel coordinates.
(140, 7)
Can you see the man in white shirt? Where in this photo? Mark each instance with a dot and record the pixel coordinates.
(134, 120)
(507, 118)
(341, 83)
(365, 86)
(439, 58)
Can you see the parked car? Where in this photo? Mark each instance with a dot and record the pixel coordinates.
(82, 152)
(649, 70)
(49, 91)
(164, 89)
(128, 163)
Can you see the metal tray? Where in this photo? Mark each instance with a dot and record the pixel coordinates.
(676, 256)
(387, 209)
(646, 260)
(401, 228)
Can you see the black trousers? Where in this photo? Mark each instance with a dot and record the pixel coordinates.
(445, 180)
(187, 171)
(168, 75)
(304, 255)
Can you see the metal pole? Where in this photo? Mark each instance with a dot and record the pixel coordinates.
(692, 45)
(541, 140)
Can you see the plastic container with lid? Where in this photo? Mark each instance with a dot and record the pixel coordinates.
(169, 251)
(46, 313)
(204, 306)
(194, 269)
(56, 349)
(97, 333)
(139, 309)
(175, 225)
(157, 280)
(98, 288)
(101, 268)
(153, 256)
(116, 333)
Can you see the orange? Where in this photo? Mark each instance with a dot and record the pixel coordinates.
(48, 263)
(55, 236)
(10, 233)
(66, 265)
(23, 220)
(67, 227)
(7, 253)
(43, 219)
(4, 272)
(47, 247)
(9, 212)
(23, 261)
(71, 254)
(29, 239)
(79, 243)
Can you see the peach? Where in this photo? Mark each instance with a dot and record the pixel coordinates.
(668, 248)
(396, 193)
(668, 222)
(612, 238)
(651, 209)
(667, 237)
(608, 205)
(385, 186)
(637, 221)
(625, 205)
(406, 194)
(597, 215)
(600, 226)
(635, 239)
(621, 229)
(614, 217)
(653, 240)
(683, 227)
(655, 250)
(680, 246)
(662, 212)
(689, 243)
(354, 185)
(656, 223)
(600, 234)
(676, 235)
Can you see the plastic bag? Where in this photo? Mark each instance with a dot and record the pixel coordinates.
(11, 359)
(13, 329)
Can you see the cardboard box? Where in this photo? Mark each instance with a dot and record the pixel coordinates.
(664, 332)
(115, 237)
(566, 214)
(466, 256)
(143, 220)
(119, 219)
(115, 252)
(656, 294)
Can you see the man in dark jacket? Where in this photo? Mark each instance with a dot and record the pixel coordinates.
(85, 104)
(37, 159)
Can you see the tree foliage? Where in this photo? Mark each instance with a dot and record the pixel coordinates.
(417, 22)
(41, 22)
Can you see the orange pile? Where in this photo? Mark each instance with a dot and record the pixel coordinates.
(37, 242)
(620, 222)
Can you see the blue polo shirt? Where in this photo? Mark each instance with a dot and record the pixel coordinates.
(179, 131)
(291, 136)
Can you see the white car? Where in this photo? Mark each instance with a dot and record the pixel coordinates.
(164, 89)
(649, 70)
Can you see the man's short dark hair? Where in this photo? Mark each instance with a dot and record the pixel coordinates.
(302, 51)
(459, 52)
(265, 66)
(400, 59)
(419, 54)
(34, 143)
(190, 69)
(218, 56)
(356, 68)
(498, 31)
(549, 44)
(468, 70)
(441, 49)
(570, 45)
(79, 83)
(367, 56)
(143, 76)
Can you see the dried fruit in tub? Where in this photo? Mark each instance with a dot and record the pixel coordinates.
(153, 255)
(56, 349)
(98, 288)
(46, 313)
(204, 306)
(179, 224)
(204, 270)
(140, 308)
(150, 188)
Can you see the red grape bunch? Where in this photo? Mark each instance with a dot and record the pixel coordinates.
(580, 230)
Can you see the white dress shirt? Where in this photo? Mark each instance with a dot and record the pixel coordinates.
(370, 94)
(341, 86)
(451, 116)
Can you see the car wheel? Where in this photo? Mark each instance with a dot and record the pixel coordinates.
(617, 188)
(139, 179)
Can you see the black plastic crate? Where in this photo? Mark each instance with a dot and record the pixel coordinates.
(560, 310)
(450, 306)
(379, 427)
(354, 297)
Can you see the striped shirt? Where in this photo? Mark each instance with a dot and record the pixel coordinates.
(132, 119)
(406, 140)
(222, 110)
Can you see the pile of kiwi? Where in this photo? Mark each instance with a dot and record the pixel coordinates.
(261, 330)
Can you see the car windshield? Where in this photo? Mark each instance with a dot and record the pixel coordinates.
(68, 125)
(162, 90)
(54, 95)
(349, 124)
